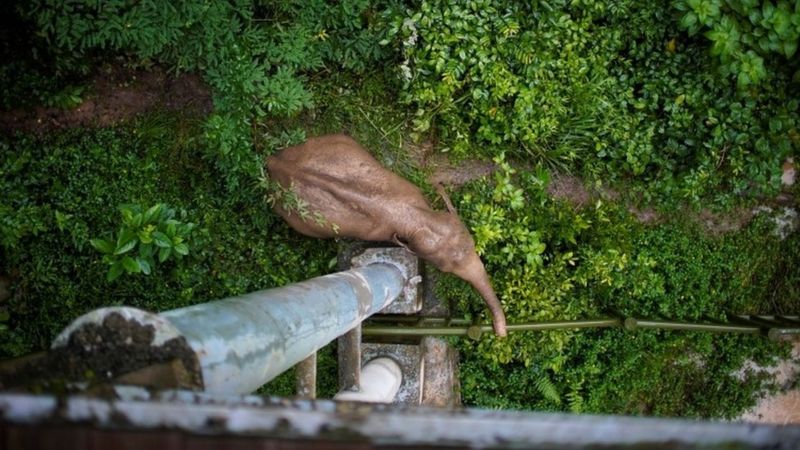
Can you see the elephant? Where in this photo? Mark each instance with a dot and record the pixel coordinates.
(330, 186)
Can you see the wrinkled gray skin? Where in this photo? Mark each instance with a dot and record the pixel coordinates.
(361, 199)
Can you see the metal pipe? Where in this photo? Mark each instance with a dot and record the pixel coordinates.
(243, 342)
(419, 321)
(380, 382)
(772, 326)
(476, 331)
(633, 323)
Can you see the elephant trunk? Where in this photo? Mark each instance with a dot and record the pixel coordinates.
(479, 279)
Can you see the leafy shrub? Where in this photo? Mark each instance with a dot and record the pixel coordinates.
(151, 231)
(540, 256)
(252, 53)
(698, 138)
(28, 73)
(744, 33)
(344, 33)
(608, 89)
(496, 73)
(549, 261)
(50, 215)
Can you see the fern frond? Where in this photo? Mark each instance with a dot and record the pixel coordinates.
(575, 400)
(548, 390)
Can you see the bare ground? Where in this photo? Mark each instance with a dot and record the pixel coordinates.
(444, 172)
(115, 95)
(783, 407)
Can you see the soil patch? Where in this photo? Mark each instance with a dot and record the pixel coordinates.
(570, 189)
(117, 94)
(102, 353)
(782, 407)
(462, 174)
(721, 223)
(444, 172)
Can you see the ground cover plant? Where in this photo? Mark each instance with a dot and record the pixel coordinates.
(557, 262)
(749, 37)
(676, 106)
(614, 90)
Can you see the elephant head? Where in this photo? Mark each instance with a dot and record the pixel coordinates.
(442, 239)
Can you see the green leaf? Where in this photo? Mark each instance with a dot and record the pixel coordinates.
(136, 222)
(145, 234)
(102, 245)
(124, 236)
(182, 249)
(689, 22)
(161, 240)
(61, 220)
(164, 253)
(185, 228)
(127, 214)
(130, 265)
(115, 271)
(548, 389)
(789, 48)
(126, 246)
(146, 250)
(767, 9)
(143, 265)
(152, 213)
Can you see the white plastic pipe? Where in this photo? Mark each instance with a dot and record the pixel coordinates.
(380, 381)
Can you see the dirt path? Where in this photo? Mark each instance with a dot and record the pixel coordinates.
(114, 95)
(573, 190)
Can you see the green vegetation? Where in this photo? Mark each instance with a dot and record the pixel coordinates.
(624, 94)
(51, 215)
(148, 231)
(558, 263)
(745, 33)
(614, 91)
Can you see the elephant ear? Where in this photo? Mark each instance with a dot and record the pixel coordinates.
(396, 239)
(446, 198)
